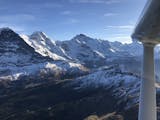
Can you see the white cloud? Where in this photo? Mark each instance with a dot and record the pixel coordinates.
(95, 1)
(121, 27)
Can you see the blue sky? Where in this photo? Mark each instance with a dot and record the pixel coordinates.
(112, 20)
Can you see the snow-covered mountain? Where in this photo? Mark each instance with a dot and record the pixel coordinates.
(44, 46)
(93, 52)
(135, 48)
(17, 58)
(82, 49)
(28, 54)
(15, 53)
(86, 50)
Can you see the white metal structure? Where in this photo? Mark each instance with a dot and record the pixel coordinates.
(148, 32)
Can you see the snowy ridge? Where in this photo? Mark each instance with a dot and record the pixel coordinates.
(134, 48)
(125, 86)
(14, 72)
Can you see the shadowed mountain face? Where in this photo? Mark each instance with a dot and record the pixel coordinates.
(12, 44)
(15, 54)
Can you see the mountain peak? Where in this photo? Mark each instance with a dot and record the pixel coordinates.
(7, 34)
(5, 29)
(39, 35)
(81, 36)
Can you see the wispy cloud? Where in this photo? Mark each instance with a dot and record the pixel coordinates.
(110, 14)
(120, 37)
(95, 1)
(120, 28)
(67, 12)
(71, 21)
(17, 17)
(122, 33)
(51, 5)
(34, 7)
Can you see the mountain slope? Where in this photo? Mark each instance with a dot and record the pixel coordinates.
(14, 49)
(44, 46)
(87, 51)
(15, 54)
(124, 85)
(95, 52)
(104, 91)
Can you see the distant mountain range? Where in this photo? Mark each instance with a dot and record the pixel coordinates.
(23, 55)
(80, 48)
